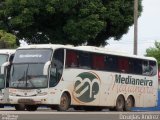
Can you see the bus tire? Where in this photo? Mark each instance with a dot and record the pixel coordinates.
(64, 102)
(120, 103)
(20, 107)
(31, 107)
(129, 103)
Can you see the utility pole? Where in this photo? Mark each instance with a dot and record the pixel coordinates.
(135, 26)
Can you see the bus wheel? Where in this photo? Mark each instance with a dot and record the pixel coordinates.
(31, 107)
(120, 103)
(20, 107)
(64, 103)
(129, 103)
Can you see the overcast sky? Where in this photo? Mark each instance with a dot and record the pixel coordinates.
(148, 30)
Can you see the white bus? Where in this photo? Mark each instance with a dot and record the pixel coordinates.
(84, 77)
(6, 57)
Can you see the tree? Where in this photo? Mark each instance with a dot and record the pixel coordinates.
(7, 40)
(154, 52)
(75, 22)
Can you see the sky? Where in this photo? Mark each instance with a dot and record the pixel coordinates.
(148, 30)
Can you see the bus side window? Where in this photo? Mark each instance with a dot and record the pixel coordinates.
(123, 65)
(98, 62)
(56, 67)
(153, 68)
(71, 59)
(131, 66)
(136, 66)
(145, 67)
(111, 63)
(84, 60)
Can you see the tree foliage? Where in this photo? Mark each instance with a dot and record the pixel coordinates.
(154, 52)
(7, 40)
(67, 21)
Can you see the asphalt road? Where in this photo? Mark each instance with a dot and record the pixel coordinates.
(47, 114)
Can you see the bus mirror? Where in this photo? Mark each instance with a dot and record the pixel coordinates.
(3, 67)
(45, 69)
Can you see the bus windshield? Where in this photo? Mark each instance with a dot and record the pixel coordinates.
(28, 76)
(3, 59)
(27, 69)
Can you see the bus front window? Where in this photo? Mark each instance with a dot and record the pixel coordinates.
(35, 76)
(27, 68)
(18, 73)
(28, 76)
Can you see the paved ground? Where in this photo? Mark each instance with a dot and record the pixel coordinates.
(47, 114)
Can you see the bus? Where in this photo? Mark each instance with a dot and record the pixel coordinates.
(82, 77)
(6, 57)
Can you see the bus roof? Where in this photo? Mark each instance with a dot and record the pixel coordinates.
(86, 48)
(7, 51)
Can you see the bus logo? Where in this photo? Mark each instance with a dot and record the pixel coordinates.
(86, 87)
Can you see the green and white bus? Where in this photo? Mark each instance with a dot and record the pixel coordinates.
(6, 57)
(83, 77)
